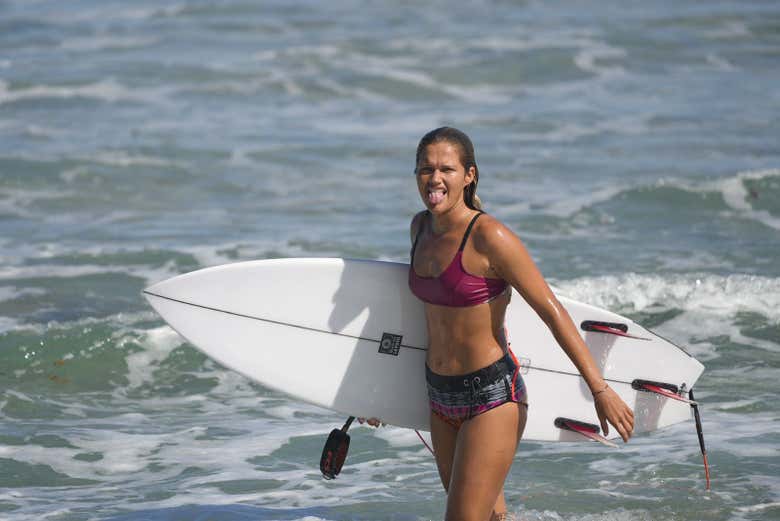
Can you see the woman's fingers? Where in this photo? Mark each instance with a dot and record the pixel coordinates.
(625, 425)
(374, 422)
(624, 432)
(604, 423)
(612, 409)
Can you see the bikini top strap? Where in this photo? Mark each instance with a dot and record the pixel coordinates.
(468, 231)
(419, 231)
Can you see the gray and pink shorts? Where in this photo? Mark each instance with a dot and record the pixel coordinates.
(457, 398)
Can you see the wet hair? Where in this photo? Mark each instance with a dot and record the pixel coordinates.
(455, 137)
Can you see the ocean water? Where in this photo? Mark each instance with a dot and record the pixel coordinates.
(632, 145)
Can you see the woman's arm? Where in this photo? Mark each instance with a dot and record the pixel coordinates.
(414, 227)
(511, 261)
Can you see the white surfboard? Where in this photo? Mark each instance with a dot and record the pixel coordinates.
(348, 335)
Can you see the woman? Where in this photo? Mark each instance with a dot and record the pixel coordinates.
(463, 264)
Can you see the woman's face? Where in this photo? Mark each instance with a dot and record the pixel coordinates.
(441, 177)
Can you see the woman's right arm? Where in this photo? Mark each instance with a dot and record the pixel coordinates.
(414, 228)
(512, 262)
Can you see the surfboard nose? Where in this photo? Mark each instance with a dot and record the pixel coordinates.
(154, 292)
(172, 287)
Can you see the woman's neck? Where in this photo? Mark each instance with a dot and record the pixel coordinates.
(452, 218)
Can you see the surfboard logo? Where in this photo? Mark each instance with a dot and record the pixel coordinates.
(390, 344)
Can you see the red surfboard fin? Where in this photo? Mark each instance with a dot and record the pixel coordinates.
(610, 328)
(588, 430)
(664, 389)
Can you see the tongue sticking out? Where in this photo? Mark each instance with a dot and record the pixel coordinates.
(435, 197)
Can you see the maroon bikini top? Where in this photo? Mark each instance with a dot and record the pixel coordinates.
(454, 287)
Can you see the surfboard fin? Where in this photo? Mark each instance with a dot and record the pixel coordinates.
(664, 389)
(611, 328)
(588, 430)
(335, 451)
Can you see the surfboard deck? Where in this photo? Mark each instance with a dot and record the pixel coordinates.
(348, 335)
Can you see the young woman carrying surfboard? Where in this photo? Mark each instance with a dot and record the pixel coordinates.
(463, 263)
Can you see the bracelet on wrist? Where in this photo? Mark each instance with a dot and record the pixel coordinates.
(596, 393)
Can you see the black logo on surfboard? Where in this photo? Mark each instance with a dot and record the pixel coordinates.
(390, 344)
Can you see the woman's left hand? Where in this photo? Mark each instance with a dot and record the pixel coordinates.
(611, 408)
(374, 422)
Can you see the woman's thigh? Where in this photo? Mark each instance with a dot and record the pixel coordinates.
(484, 450)
(444, 437)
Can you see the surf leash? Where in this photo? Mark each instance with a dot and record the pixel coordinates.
(677, 393)
(588, 430)
(697, 418)
(425, 443)
(335, 451)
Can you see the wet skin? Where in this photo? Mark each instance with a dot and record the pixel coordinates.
(473, 461)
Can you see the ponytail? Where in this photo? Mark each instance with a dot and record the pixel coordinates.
(470, 194)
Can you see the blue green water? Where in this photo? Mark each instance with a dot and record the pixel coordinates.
(632, 145)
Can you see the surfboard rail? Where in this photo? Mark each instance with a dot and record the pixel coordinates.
(356, 338)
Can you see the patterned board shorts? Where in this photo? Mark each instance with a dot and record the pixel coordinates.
(455, 399)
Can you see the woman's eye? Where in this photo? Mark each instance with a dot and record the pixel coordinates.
(426, 170)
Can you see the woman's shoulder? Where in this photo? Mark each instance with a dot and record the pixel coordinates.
(416, 223)
(489, 233)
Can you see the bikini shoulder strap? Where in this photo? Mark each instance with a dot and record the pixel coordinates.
(468, 231)
(419, 231)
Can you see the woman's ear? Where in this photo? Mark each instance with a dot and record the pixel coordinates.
(470, 173)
